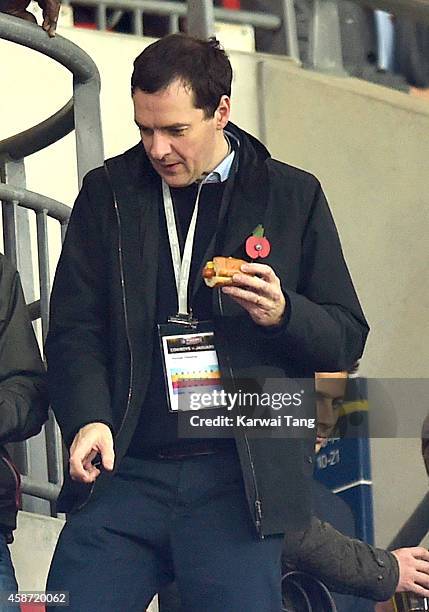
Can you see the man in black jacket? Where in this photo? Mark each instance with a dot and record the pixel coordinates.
(128, 294)
(23, 404)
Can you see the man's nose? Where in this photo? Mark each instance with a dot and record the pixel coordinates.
(160, 146)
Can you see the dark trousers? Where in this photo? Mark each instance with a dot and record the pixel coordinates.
(161, 520)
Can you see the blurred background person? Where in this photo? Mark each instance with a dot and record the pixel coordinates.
(18, 8)
(23, 405)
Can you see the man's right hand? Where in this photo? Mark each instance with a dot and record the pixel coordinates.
(413, 570)
(91, 440)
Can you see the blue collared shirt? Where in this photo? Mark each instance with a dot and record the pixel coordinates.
(222, 170)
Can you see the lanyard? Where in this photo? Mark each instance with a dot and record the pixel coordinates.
(181, 266)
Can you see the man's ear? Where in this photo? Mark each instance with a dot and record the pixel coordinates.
(222, 112)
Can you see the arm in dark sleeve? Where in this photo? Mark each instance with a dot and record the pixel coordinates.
(77, 346)
(425, 443)
(324, 326)
(23, 389)
(344, 564)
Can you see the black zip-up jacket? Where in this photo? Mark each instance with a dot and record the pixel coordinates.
(23, 387)
(100, 341)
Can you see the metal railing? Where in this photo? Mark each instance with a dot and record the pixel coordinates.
(82, 113)
(13, 199)
(43, 207)
(325, 46)
(201, 16)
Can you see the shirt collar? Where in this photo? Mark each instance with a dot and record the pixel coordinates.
(221, 172)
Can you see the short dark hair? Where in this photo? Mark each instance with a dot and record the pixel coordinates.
(202, 65)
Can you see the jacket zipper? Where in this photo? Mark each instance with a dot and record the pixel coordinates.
(17, 479)
(127, 333)
(257, 503)
(124, 305)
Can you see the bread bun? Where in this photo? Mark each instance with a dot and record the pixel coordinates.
(220, 271)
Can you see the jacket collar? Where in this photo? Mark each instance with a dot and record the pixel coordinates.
(250, 193)
(245, 199)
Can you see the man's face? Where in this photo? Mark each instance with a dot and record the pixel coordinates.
(181, 143)
(330, 390)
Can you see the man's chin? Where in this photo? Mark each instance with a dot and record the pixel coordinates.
(176, 181)
(174, 175)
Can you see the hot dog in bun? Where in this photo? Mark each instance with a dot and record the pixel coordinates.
(220, 271)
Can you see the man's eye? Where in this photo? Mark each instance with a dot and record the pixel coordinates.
(178, 131)
(337, 404)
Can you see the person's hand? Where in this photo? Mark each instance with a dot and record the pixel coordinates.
(51, 9)
(413, 570)
(91, 440)
(261, 295)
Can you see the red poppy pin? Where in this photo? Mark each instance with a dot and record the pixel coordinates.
(257, 245)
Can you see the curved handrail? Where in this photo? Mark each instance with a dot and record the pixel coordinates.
(82, 112)
(41, 135)
(35, 201)
(85, 77)
(59, 48)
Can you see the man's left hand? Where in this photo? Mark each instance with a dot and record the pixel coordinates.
(413, 570)
(259, 292)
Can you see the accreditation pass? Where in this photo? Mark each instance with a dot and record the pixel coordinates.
(190, 366)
